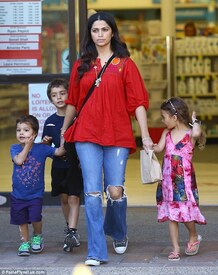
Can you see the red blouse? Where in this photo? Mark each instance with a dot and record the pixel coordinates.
(105, 117)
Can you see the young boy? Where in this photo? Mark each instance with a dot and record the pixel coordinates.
(28, 182)
(65, 173)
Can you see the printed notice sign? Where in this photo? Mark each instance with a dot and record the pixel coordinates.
(20, 37)
(39, 105)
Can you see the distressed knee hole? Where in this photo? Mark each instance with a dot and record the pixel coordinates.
(93, 194)
(115, 193)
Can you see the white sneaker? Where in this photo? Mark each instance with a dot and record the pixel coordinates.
(92, 262)
(3, 200)
(120, 246)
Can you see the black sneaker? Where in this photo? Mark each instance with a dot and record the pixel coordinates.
(120, 246)
(66, 229)
(72, 240)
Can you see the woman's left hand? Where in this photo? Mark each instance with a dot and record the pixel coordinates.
(147, 143)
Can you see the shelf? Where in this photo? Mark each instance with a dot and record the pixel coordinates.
(5, 126)
(212, 136)
(197, 74)
(192, 5)
(196, 69)
(196, 54)
(199, 95)
(13, 103)
(54, 8)
(153, 63)
(129, 4)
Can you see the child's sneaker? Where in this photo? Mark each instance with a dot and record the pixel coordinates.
(66, 229)
(37, 243)
(24, 249)
(3, 200)
(120, 246)
(72, 240)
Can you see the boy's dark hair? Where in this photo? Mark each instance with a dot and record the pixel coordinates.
(56, 83)
(31, 120)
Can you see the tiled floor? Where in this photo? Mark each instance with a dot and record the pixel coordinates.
(206, 166)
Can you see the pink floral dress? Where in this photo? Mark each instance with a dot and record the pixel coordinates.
(177, 194)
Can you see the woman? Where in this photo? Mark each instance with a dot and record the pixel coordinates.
(190, 29)
(103, 133)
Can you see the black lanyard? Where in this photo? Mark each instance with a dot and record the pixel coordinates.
(95, 84)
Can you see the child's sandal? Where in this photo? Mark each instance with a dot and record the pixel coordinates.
(174, 256)
(189, 249)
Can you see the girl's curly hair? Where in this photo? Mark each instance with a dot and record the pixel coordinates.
(177, 106)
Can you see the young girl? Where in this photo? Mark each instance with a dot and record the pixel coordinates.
(177, 194)
(28, 183)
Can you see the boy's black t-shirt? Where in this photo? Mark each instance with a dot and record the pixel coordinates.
(52, 128)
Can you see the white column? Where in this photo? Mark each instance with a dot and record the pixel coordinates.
(168, 18)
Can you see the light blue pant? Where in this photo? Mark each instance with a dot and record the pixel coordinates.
(96, 161)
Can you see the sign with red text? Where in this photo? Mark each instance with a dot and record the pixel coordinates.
(20, 37)
(39, 105)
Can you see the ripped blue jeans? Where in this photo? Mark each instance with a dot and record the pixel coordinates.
(97, 162)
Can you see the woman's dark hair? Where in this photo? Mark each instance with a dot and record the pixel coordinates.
(88, 50)
(31, 120)
(190, 29)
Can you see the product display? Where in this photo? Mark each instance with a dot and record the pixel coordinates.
(197, 78)
(154, 63)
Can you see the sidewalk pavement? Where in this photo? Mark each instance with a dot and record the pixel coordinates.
(149, 246)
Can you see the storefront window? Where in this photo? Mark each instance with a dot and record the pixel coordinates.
(55, 49)
(38, 38)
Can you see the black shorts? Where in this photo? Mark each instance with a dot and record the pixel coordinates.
(58, 181)
(67, 181)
